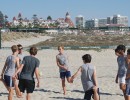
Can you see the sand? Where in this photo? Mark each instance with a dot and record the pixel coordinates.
(50, 83)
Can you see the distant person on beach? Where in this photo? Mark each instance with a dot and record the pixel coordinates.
(63, 64)
(29, 66)
(20, 53)
(128, 76)
(12, 62)
(88, 78)
(122, 67)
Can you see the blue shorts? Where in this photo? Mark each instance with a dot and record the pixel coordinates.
(8, 81)
(66, 74)
(128, 90)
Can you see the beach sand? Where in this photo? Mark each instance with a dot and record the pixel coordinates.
(50, 83)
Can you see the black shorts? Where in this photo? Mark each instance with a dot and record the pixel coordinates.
(89, 93)
(27, 85)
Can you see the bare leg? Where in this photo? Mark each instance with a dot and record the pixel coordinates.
(96, 96)
(123, 88)
(63, 86)
(10, 97)
(28, 97)
(18, 93)
(127, 97)
(69, 80)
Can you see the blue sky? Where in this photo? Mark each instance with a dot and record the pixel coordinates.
(58, 8)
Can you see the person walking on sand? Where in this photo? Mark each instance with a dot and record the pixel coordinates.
(88, 78)
(128, 76)
(12, 62)
(122, 68)
(29, 66)
(63, 64)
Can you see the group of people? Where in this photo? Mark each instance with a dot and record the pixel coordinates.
(19, 70)
(123, 73)
(18, 73)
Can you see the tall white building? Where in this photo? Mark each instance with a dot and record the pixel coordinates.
(91, 23)
(118, 19)
(80, 21)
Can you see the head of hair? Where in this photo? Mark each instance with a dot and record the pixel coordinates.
(121, 47)
(14, 48)
(33, 51)
(87, 58)
(128, 52)
(116, 50)
(20, 46)
(61, 46)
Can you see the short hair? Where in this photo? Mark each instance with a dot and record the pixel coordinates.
(121, 47)
(14, 48)
(61, 46)
(33, 51)
(87, 58)
(128, 52)
(116, 50)
(20, 46)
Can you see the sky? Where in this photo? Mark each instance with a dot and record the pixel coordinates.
(57, 8)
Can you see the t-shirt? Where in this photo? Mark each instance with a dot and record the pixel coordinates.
(10, 70)
(63, 60)
(21, 56)
(87, 76)
(30, 63)
(122, 66)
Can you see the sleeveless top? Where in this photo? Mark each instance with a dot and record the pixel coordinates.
(63, 60)
(10, 70)
(87, 76)
(122, 66)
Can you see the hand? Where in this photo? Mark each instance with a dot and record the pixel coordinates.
(95, 88)
(116, 81)
(38, 84)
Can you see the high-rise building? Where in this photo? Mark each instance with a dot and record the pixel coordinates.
(80, 21)
(109, 20)
(118, 19)
(102, 22)
(91, 23)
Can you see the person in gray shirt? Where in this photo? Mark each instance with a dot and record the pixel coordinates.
(63, 64)
(28, 67)
(88, 78)
(128, 76)
(122, 67)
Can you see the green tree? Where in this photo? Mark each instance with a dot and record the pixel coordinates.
(1, 19)
(35, 21)
(49, 18)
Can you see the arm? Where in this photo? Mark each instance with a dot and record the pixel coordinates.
(37, 76)
(59, 65)
(17, 63)
(95, 78)
(76, 74)
(3, 70)
(19, 70)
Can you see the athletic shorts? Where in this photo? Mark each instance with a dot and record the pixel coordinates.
(89, 93)
(27, 85)
(66, 74)
(122, 80)
(127, 89)
(8, 81)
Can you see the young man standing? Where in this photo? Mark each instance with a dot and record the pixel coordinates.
(28, 67)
